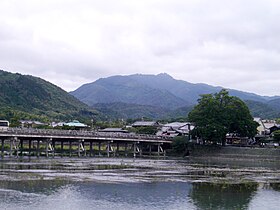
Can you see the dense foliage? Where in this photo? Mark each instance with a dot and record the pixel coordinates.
(263, 110)
(28, 97)
(180, 145)
(276, 135)
(215, 115)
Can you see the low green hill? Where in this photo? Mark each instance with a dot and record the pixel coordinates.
(29, 97)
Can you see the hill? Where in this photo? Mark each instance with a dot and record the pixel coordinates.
(33, 97)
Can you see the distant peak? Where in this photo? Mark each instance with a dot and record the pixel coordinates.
(165, 75)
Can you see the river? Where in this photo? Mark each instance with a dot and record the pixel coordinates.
(127, 183)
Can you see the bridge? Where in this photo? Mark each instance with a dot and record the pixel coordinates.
(50, 142)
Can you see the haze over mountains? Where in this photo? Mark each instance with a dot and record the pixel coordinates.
(161, 92)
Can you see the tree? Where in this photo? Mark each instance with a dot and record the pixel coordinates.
(217, 114)
(276, 135)
(179, 144)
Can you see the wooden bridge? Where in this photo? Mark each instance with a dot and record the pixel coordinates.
(48, 142)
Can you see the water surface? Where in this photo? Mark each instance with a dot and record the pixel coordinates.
(108, 183)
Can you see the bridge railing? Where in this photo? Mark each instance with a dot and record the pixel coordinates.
(80, 133)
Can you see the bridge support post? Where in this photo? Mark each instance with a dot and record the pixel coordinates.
(150, 150)
(49, 147)
(140, 150)
(38, 148)
(108, 149)
(99, 148)
(158, 149)
(21, 147)
(70, 148)
(61, 148)
(2, 148)
(81, 147)
(29, 147)
(83, 144)
(13, 146)
(117, 150)
(90, 149)
(134, 150)
(53, 147)
(125, 149)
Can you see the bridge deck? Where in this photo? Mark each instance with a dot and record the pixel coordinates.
(20, 140)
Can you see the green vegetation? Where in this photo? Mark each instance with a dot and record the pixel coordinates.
(28, 97)
(276, 135)
(219, 114)
(262, 110)
(180, 145)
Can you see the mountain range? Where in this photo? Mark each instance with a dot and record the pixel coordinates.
(159, 96)
(117, 97)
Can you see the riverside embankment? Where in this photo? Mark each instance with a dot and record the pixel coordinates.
(241, 156)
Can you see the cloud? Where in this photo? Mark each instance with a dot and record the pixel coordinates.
(234, 44)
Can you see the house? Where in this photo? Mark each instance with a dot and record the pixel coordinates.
(76, 124)
(57, 124)
(265, 126)
(31, 124)
(175, 129)
(276, 127)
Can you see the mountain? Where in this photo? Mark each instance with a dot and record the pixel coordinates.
(119, 110)
(160, 93)
(130, 90)
(34, 97)
(263, 110)
(155, 90)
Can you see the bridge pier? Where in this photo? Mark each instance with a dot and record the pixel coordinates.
(99, 149)
(2, 147)
(108, 149)
(38, 148)
(117, 149)
(70, 148)
(125, 149)
(61, 149)
(29, 146)
(14, 147)
(90, 149)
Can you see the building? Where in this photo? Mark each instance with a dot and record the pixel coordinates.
(76, 124)
(175, 129)
(265, 126)
(31, 124)
(145, 124)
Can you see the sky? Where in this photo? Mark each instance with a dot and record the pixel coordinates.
(234, 44)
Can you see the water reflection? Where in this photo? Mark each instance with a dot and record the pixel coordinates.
(88, 195)
(223, 196)
(60, 194)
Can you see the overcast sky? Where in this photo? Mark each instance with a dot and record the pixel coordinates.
(234, 44)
